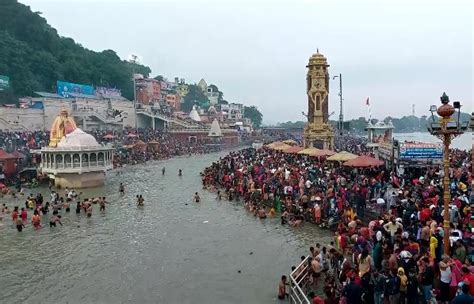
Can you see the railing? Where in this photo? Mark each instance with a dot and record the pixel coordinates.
(298, 282)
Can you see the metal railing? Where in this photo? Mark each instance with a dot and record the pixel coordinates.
(299, 279)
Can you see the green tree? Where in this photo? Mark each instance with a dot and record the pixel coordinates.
(194, 96)
(254, 115)
(34, 56)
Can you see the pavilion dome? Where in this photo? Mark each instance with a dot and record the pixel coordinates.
(78, 139)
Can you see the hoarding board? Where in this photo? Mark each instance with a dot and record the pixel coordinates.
(4, 82)
(420, 151)
(64, 88)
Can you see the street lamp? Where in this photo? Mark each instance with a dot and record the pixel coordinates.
(341, 115)
(446, 129)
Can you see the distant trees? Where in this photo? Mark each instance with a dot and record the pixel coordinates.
(404, 124)
(34, 56)
(254, 115)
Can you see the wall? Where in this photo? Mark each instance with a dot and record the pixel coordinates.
(17, 119)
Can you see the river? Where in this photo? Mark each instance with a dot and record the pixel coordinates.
(463, 142)
(171, 251)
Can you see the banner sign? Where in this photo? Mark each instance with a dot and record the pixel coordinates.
(108, 92)
(64, 88)
(417, 151)
(4, 82)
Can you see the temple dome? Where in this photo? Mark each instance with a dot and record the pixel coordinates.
(78, 139)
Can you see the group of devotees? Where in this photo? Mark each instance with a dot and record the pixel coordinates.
(37, 212)
(388, 228)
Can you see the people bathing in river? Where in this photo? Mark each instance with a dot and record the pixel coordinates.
(180, 172)
(55, 218)
(163, 171)
(140, 200)
(196, 198)
(121, 189)
(36, 220)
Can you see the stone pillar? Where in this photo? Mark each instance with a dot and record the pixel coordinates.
(64, 160)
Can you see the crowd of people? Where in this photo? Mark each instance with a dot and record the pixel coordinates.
(133, 146)
(388, 229)
(37, 212)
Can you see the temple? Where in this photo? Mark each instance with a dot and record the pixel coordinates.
(74, 159)
(318, 132)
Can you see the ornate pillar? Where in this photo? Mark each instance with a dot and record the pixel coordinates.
(64, 160)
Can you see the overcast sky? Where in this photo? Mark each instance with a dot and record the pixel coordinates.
(399, 52)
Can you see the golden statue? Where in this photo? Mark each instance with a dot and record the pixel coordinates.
(62, 125)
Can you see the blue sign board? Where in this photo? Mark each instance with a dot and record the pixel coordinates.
(418, 151)
(65, 88)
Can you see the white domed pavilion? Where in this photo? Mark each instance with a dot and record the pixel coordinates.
(78, 161)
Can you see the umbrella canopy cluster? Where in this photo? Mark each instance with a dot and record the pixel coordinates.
(316, 152)
(342, 156)
(363, 161)
(4, 155)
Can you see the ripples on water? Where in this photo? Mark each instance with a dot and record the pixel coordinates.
(162, 253)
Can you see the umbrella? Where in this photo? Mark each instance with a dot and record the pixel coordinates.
(109, 136)
(132, 135)
(312, 152)
(17, 154)
(290, 142)
(363, 161)
(293, 149)
(342, 156)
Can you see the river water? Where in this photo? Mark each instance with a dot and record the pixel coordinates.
(463, 142)
(171, 251)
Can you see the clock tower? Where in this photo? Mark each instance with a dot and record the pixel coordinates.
(318, 132)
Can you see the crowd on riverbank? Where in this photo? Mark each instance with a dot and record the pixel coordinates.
(395, 253)
(133, 146)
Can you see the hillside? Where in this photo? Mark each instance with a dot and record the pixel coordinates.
(34, 56)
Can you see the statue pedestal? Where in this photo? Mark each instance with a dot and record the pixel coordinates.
(319, 136)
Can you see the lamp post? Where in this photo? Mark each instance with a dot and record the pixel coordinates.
(446, 129)
(341, 115)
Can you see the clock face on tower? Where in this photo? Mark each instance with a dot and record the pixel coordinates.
(319, 84)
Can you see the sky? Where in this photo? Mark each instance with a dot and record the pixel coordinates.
(399, 53)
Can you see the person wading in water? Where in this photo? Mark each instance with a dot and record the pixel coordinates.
(140, 201)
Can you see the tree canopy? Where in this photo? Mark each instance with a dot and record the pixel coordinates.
(254, 115)
(34, 56)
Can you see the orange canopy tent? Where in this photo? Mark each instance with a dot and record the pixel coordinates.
(363, 161)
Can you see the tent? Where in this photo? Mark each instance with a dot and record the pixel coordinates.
(274, 144)
(293, 149)
(5, 155)
(363, 161)
(327, 152)
(312, 152)
(282, 147)
(342, 156)
(17, 154)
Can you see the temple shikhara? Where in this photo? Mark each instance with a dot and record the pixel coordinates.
(74, 159)
(318, 133)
